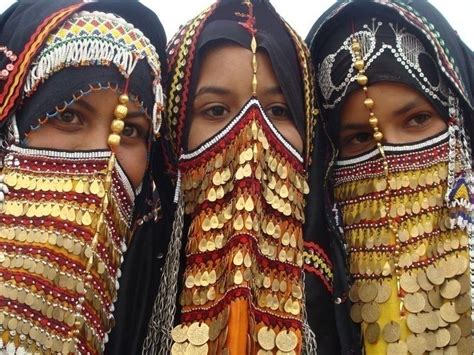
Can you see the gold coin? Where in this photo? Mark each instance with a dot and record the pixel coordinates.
(463, 264)
(416, 344)
(430, 340)
(266, 338)
(198, 333)
(238, 277)
(450, 289)
(428, 306)
(391, 332)
(414, 302)
(286, 340)
(353, 292)
(423, 281)
(179, 349)
(372, 333)
(215, 329)
(370, 312)
(442, 337)
(416, 323)
(197, 349)
(180, 333)
(435, 275)
(441, 322)
(465, 345)
(463, 304)
(454, 334)
(448, 312)
(409, 283)
(435, 298)
(399, 348)
(238, 258)
(356, 312)
(367, 292)
(450, 267)
(464, 281)
(384, 293)
(12, 324)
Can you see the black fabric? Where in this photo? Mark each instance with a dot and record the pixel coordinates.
(19, 23)
(60, 88)
(145, 256)
(272, 37)
(326, 35)
(385, 68)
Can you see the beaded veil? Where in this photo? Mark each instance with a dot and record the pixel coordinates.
(403, 212)
(66, 217)
(243, 190)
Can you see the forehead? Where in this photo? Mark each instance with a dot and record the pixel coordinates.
(387, 96)
(231, 64)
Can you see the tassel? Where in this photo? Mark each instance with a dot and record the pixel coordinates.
(158, 339)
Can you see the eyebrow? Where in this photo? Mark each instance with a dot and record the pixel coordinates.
(408, 106)
(273, 90)
(212, 90)
(135, 114)
(354, 126)
(86, 106)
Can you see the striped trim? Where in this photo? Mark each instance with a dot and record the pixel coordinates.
(317, 263)
(12, 88)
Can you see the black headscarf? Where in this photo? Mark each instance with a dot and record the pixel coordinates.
(272, 37)
(447, 61)
(24, 28)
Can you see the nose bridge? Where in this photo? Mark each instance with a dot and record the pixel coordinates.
(390, 132)
(96, 136)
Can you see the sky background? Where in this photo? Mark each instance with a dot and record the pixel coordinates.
(301, 14)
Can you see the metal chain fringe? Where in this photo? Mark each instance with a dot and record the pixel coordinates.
(309, 338)
(158, 339)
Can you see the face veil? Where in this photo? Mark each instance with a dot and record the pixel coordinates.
(242, 191)
(402, 212)
(67, 217)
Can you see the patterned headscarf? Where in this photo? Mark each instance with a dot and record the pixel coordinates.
(407, 42)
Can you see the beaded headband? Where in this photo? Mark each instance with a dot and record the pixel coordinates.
(442, 55)
(406, 49)
(97, 38)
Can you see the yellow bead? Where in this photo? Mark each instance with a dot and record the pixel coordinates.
(121, 111)
(373, 121)
(359, 64)
(123, 99)
(356, 46)
(117, 126)
(113, 140)
(362, 80)
(368, 103)
(378, 136)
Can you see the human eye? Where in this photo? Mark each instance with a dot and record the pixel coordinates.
(134, 131)
(278, 112)
(216, 111)
(356, 143)
(418, 120)
(68, 119)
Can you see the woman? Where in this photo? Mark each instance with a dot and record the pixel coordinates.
(394, 83)
(240, 122)
(80, 109)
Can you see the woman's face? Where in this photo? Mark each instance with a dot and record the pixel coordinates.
(223, 88)
(85, 125)
(404, 116)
